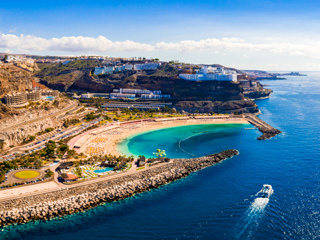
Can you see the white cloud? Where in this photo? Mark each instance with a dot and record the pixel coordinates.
(101, 44)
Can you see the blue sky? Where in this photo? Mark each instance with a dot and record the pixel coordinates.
(269, 35)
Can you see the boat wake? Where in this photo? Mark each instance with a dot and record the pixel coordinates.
(252, 217)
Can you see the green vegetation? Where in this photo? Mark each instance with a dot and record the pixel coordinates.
(91, 116)
(48, 130)
(77, 170)
(29, 139)
(32, 138)
(62, 149)
(49, 174)
(54, 69)
(70, 122)
(140, 168)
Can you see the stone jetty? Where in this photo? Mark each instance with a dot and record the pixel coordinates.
(79, 198)
(267, 130)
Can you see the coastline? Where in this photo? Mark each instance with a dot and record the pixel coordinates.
(114, 142)
(75, 199)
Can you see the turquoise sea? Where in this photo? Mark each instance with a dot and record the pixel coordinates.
(219, 202)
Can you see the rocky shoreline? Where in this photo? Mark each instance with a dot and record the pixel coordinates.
(266, 130)
(268, 133)
(78, 199)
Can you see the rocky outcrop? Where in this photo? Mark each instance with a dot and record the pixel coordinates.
(7, 112)
(217, 106)
(15, 128)
(258, 94)
(77, 199)
(268, 133)
(14, 79)
(63, 81)
(16, 135)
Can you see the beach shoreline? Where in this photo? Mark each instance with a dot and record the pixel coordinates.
(139, 128)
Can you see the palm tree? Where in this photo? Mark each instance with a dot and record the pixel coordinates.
(81, 155)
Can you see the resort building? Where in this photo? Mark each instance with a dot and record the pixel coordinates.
(136, 91)
(147, 66)
(108, 69)
(153, 96)
(99, 70)
(120, 68)
(143, 93)
(93, 95)
(16, 99)
(210, 73)
(128, 67)
(21, 99)
(137, 105)
(87, 95)
(121, 95)
(53, 93)
(34, 96)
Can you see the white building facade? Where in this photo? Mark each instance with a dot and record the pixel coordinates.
(210, 73)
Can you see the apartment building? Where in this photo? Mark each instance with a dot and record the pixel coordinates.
(210, 73)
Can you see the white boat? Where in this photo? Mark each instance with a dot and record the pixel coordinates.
(266, 191)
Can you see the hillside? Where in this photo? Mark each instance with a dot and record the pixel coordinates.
(14, 79)
(68, 78)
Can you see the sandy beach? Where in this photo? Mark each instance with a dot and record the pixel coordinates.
(116, 136)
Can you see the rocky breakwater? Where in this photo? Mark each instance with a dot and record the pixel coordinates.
(267, 130)
(77, 199)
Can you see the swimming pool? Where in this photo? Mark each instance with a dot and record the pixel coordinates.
(103, 170)
(49, 98)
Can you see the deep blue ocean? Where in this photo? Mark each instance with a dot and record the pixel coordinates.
(219, 202)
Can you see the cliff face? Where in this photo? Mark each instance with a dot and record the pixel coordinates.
(92, 84)
(9, 118)
(13, 79)
(216, 106)
(7, 112)
(16, 135)
(63, 81)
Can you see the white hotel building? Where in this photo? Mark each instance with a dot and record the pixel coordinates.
(210, 73)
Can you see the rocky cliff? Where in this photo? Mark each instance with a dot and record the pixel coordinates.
(14, 130)
(15, 135)
(216, 106)
(77, 199)
(14, 79)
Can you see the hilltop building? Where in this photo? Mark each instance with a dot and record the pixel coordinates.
(125, 67)
(99, 70)
(147, 66)
(210, 73)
